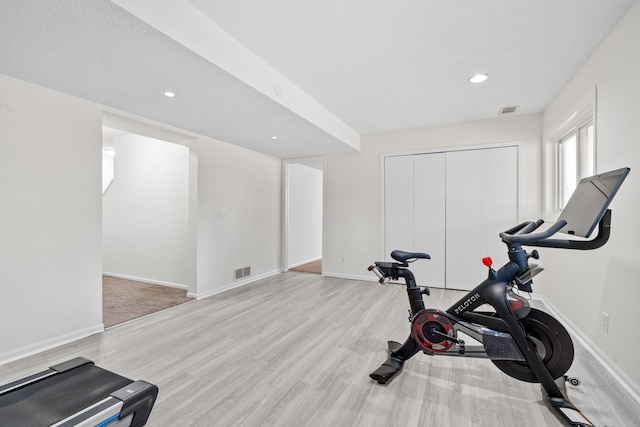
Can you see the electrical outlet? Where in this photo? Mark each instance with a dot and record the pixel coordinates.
(605, 322)
(343, 260)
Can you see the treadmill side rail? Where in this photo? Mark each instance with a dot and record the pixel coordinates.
(6, 388)
(93, 415)
(56, 369)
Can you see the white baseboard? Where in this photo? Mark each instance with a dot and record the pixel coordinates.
(50, 343)
(618, 374)
(233, 285)
(145, 280)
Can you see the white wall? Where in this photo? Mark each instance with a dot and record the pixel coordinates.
(353, 210)
(145, 212)
(246, 185)
(305, 214)
(50, 218)
(583, 284)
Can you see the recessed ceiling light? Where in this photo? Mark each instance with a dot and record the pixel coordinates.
(478, 78)
(274, 137)
(168, 94)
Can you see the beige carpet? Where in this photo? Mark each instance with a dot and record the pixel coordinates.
(311, 267)
(124, 300)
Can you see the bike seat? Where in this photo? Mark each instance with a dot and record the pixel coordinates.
(402, 256)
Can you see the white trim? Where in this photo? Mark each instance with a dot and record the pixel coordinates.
(285, 217)
(50, 343)
(233, 285)
(145, 280)
(312, 162)
(582, 111)
(447, 149)
(614, 370)
(383, 161)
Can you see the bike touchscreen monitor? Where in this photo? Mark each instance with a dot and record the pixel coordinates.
(589, 202)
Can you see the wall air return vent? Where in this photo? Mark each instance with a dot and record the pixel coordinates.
(242, 272)
(508, 110)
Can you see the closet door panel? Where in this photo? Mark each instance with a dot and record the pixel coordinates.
(398, 204)
(499, 208)
(463, 226)
(482, 201)
(429, 218)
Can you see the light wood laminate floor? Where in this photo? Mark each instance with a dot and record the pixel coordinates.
(296, 350)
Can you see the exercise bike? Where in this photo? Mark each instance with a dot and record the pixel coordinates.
(523, 342)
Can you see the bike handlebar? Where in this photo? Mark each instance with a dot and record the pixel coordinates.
(525, 227)
(523, 234)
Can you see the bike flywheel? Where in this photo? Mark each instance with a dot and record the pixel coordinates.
(550, 340)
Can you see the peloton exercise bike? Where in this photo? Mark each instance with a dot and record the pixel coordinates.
(523, 342)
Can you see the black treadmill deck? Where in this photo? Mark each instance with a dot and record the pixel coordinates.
(54, 398)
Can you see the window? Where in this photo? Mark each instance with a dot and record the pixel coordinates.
(569, 151)
(576, 160)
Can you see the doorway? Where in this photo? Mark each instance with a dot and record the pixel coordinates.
(303, 214)
(145, 214)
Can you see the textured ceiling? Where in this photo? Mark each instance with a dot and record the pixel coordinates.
(97, 51)
(387, 64)
(316, 74)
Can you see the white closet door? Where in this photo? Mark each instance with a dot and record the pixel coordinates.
(500, 208)
(429, 218)
(482, 201)
(398, 204)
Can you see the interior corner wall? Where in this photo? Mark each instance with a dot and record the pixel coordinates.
(305, 214)
(145, 212)
(192, 222)
(353, 203)
(239, 215)
(50, 187)
(584, 284)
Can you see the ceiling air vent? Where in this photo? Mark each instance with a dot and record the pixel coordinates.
(508, 110)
